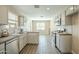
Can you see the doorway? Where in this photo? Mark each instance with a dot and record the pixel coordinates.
(41, 26)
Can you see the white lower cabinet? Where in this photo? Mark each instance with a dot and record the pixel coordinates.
(33, 37)
(21, 44)
(25, 39)
(65, 43)
(58, 41)
(12, 46)
(22, 41)
(2, 50)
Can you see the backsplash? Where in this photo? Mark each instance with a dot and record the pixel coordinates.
(69, 29)
(10, 30)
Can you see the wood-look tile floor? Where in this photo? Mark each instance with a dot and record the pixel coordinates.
(45, 46)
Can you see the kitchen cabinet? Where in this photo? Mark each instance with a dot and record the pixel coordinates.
(57, 41)
(65, 43)
(21, 43)
(21, 20)
(52, 37)
(3, 14)
(2, 49)
(12, 46)
(25, 39)
(65, 20)
(33, 37)
(71, 10)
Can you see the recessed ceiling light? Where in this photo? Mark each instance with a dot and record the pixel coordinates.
(48, 8)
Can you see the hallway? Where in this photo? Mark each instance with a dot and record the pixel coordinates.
(45, 46)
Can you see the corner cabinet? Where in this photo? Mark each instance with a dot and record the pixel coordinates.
(3, 15)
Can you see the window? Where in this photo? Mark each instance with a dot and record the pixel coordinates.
(40, 26)
(12, 22)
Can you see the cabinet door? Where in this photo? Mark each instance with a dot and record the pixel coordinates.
(58, 42)
(65, 20)
(33, 37)
(2, 50)
(3, 15)
(12, 47)
(21, 43)
(25, 39)
(65, 44)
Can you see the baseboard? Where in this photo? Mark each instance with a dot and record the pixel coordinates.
(73, 52)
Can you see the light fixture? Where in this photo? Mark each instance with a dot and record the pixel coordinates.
(48, 8)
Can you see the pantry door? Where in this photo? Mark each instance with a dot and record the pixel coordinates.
(43, 27)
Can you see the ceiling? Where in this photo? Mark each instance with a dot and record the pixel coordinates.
(43, 12)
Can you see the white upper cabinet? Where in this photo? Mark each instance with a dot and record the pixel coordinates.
(71, 10)
(3, 15)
